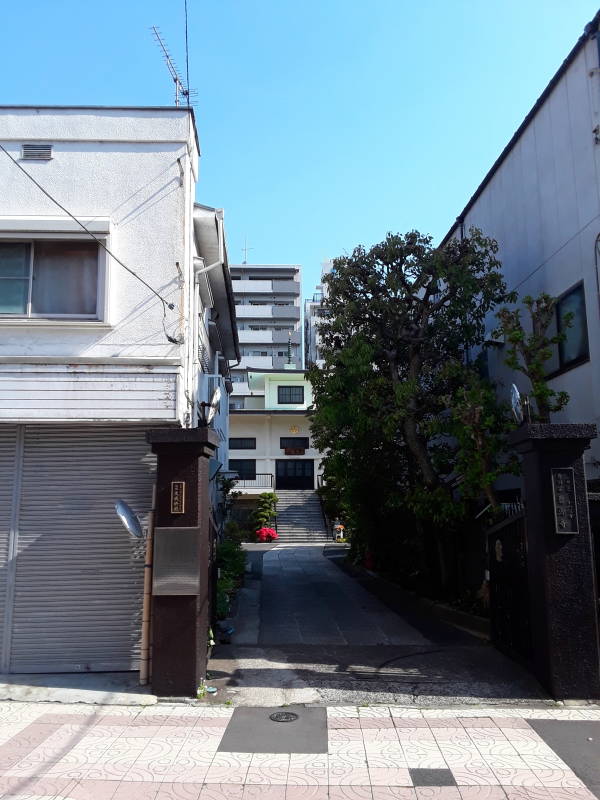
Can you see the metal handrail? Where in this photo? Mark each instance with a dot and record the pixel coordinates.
(263, 480)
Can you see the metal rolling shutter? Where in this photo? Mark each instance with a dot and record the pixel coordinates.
(79, 576)
(8, 446)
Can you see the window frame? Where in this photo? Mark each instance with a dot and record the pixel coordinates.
(582, 359)
(101, 314)
(242, 439)
(289, 402)
(298, 443)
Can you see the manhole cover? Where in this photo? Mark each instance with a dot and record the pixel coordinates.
(283, 716)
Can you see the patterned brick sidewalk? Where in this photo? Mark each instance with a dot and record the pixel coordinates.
(374, 753)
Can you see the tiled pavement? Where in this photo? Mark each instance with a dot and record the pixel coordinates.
(374, 753)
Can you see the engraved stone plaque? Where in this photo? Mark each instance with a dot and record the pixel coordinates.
(565, 504)
(177, 497)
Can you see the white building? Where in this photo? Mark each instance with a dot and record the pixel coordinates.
(91, 356)
(270, 446)
(267, 298)
(313, 315)
(541, 201)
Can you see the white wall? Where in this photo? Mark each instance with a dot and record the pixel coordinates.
(267, 429)
(543, 207)
(120, 165)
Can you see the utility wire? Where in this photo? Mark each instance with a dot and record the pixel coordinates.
(166, 304)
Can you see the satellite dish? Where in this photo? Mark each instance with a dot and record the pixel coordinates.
(213, 405)
(129, 519)
(516, 404)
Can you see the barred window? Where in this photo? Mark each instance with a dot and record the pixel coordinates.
(240, 443)
(294, 442)
(290, 395)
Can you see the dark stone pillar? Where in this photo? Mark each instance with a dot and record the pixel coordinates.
(564, 598)
(182, 557)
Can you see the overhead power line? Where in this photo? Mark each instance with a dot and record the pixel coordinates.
(165, 303)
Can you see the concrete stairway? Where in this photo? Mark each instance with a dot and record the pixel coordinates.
(299, 517)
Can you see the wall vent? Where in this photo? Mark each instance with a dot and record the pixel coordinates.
(36, 152)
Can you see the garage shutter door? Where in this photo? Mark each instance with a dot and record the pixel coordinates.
(8, 444)
(79, 576)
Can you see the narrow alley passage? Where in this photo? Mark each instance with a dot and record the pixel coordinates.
(308, 632)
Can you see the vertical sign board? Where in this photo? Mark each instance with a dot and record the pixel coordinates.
(565, 505)
(177, 497)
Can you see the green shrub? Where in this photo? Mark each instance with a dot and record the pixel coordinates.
(231, 559)
(266, 509)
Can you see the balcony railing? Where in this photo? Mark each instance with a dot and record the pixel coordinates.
(261, 481)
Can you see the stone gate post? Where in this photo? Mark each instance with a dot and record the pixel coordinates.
(182, 559)
(563, 590)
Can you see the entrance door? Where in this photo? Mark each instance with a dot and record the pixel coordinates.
(295, 473)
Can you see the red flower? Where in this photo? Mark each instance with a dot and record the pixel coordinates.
(266, 535)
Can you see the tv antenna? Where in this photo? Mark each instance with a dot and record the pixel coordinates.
(182, 90)
(245, 250)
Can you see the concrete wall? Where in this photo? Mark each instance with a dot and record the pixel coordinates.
(267, 429)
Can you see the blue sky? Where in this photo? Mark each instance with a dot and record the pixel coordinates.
(323, 123)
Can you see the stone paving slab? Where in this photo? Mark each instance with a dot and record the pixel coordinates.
(172, 752)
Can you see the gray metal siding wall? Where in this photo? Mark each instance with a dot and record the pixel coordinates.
(79, 576)
(8, 444)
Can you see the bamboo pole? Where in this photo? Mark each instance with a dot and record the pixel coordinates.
(147, 599)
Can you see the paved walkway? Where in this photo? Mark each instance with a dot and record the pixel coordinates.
(309, 633)
(172, 752)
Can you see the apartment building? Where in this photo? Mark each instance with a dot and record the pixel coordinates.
(267, 301)
(313, 314)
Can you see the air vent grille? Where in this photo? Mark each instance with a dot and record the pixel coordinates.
(36, 152)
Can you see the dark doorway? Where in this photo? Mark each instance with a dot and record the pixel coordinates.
(295, 473)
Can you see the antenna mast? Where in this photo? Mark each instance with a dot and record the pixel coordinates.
(181, 90)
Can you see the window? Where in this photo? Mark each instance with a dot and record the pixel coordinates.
(290, 394)
(245, 468)
(49, 279)
(574, 349)
(242, 444)
(294, 442)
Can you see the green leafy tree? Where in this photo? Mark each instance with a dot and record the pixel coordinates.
(530, 349)
(478, 425)
(417, 307)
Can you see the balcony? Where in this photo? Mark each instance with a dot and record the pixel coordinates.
(252, 287)
(256, 362)
(280, 361)
(286, 287)
(281, 337)
(256, 337)
(254, 312)
(268, 286)
(284, 312)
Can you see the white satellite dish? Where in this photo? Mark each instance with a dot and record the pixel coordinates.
(516, 404)
(213, 406)
(129, 519)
